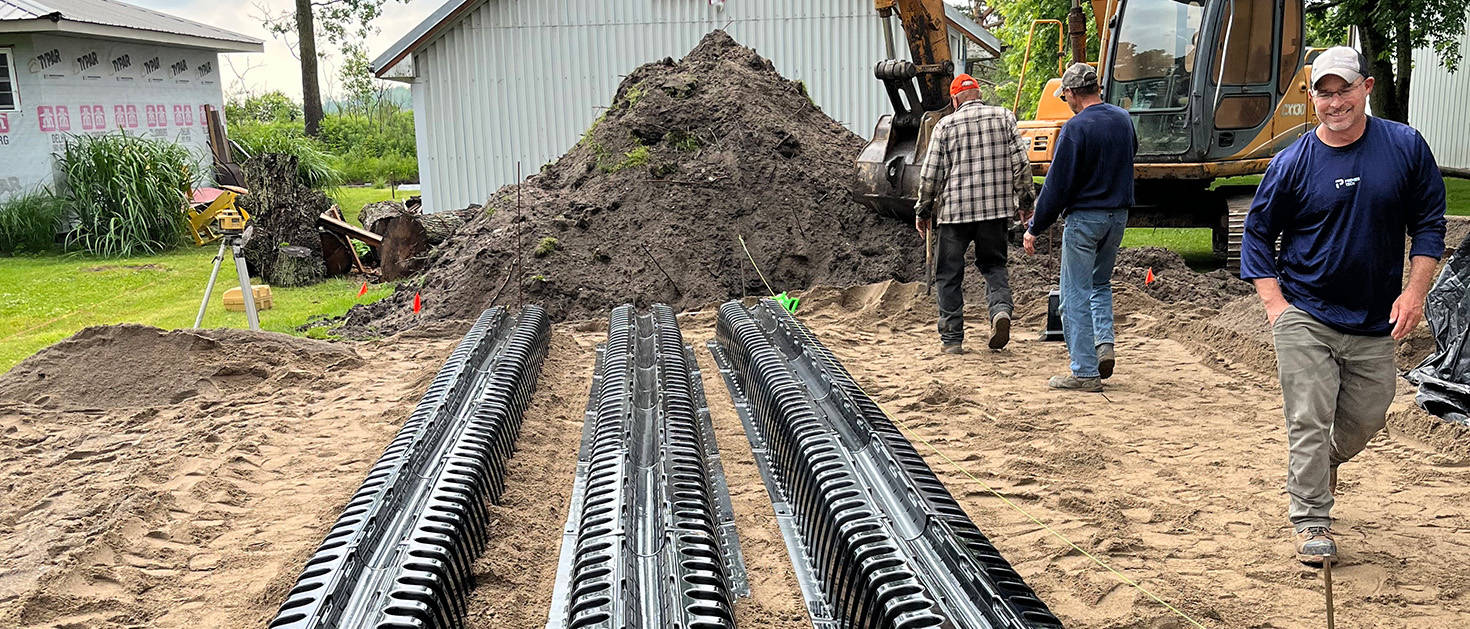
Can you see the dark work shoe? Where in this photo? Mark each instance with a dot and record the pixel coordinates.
(1073, 383)
(1314, 544)
(1000, 330)
(1106, 359)
(952, 348)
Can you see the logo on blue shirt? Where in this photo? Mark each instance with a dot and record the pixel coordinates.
(1347, 183)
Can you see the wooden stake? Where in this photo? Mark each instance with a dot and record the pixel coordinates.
(1327, 581)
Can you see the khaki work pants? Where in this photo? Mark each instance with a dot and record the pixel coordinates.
(1335, 390)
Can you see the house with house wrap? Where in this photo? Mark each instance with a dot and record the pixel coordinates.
(94, 66)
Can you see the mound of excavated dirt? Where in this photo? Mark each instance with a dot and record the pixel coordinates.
(648, 205)
(128, 365)
(1174, 282)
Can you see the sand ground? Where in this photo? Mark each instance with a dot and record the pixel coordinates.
(201, 511)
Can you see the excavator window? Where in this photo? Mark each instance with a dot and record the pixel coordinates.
(1291, 44)
(1152, 69)
(1248, 32)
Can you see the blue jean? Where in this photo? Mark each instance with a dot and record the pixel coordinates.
(1090, 241)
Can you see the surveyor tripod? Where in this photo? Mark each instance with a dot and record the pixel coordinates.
(236, 243)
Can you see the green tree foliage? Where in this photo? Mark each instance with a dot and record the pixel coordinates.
(1018, 17)
(1390, 31)
(345, 23)
(272, 106)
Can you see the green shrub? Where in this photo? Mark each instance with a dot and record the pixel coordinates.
(359, 168)
(379, 135)
(314, 165)
(126, 192)
(30, 222)
(545, 247)
(268, 107)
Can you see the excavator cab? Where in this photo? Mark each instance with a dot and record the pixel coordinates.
(1233, 65)
(1215, 88)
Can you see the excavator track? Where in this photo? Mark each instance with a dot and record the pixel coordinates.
(399, 556)
(650, 538)
(877, 540)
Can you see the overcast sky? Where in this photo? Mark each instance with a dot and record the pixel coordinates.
(277, 68)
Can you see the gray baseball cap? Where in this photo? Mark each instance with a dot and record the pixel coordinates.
(1340, 61)
(1077, 75)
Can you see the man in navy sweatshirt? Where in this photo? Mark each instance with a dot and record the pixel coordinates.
(1341, 199)
(1090, 182)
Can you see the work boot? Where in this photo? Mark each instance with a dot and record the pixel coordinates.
(1105, 360)
(1073, 383)
(953, 348)
(1000, 330)
(1315, 543)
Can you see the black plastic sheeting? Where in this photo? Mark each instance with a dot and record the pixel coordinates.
(1444, 377)
(650, 538)
(878, 540)
(399, 557)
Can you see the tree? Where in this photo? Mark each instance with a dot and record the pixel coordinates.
(1390, 31)
(1015, 25)
(341, 21)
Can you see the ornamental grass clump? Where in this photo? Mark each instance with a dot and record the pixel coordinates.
(125, 193)
(29, 223)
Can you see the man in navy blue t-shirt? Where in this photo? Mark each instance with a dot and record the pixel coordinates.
(1091, 183)
(1341, 199)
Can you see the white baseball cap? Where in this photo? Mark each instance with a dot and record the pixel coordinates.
(1340, 61)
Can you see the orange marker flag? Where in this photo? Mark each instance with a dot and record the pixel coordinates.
(417, 304)
(1149, 279)
(363, 290)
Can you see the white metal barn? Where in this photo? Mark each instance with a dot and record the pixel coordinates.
(496, 82)
(91, 66)
(1437, 106)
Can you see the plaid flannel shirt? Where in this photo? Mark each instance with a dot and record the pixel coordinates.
(976, 168)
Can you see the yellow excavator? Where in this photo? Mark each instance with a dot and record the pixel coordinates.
(1215, 88)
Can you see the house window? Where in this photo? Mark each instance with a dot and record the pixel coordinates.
(9, 100)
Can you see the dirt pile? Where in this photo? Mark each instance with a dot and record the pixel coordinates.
(1174, 282)
(119, 366)
(648, 205)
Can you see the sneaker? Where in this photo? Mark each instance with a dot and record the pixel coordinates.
(1106, 359)
(1073, 383)
(952, 348)
(1000, 330)
(1314, 544)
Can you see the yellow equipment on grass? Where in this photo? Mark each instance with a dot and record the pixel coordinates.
(210, 218)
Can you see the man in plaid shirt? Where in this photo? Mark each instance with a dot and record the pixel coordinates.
(975, 178)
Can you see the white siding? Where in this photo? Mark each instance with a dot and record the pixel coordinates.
(520, 80)
(1437, 105)
(77, 85)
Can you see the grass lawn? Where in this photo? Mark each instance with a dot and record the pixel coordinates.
(44, 299)
(1194, 244)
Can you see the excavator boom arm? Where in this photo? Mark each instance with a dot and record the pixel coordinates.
(927, 32)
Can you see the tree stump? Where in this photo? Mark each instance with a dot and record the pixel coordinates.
(408, 235)
(284, 212)
(297, 266)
